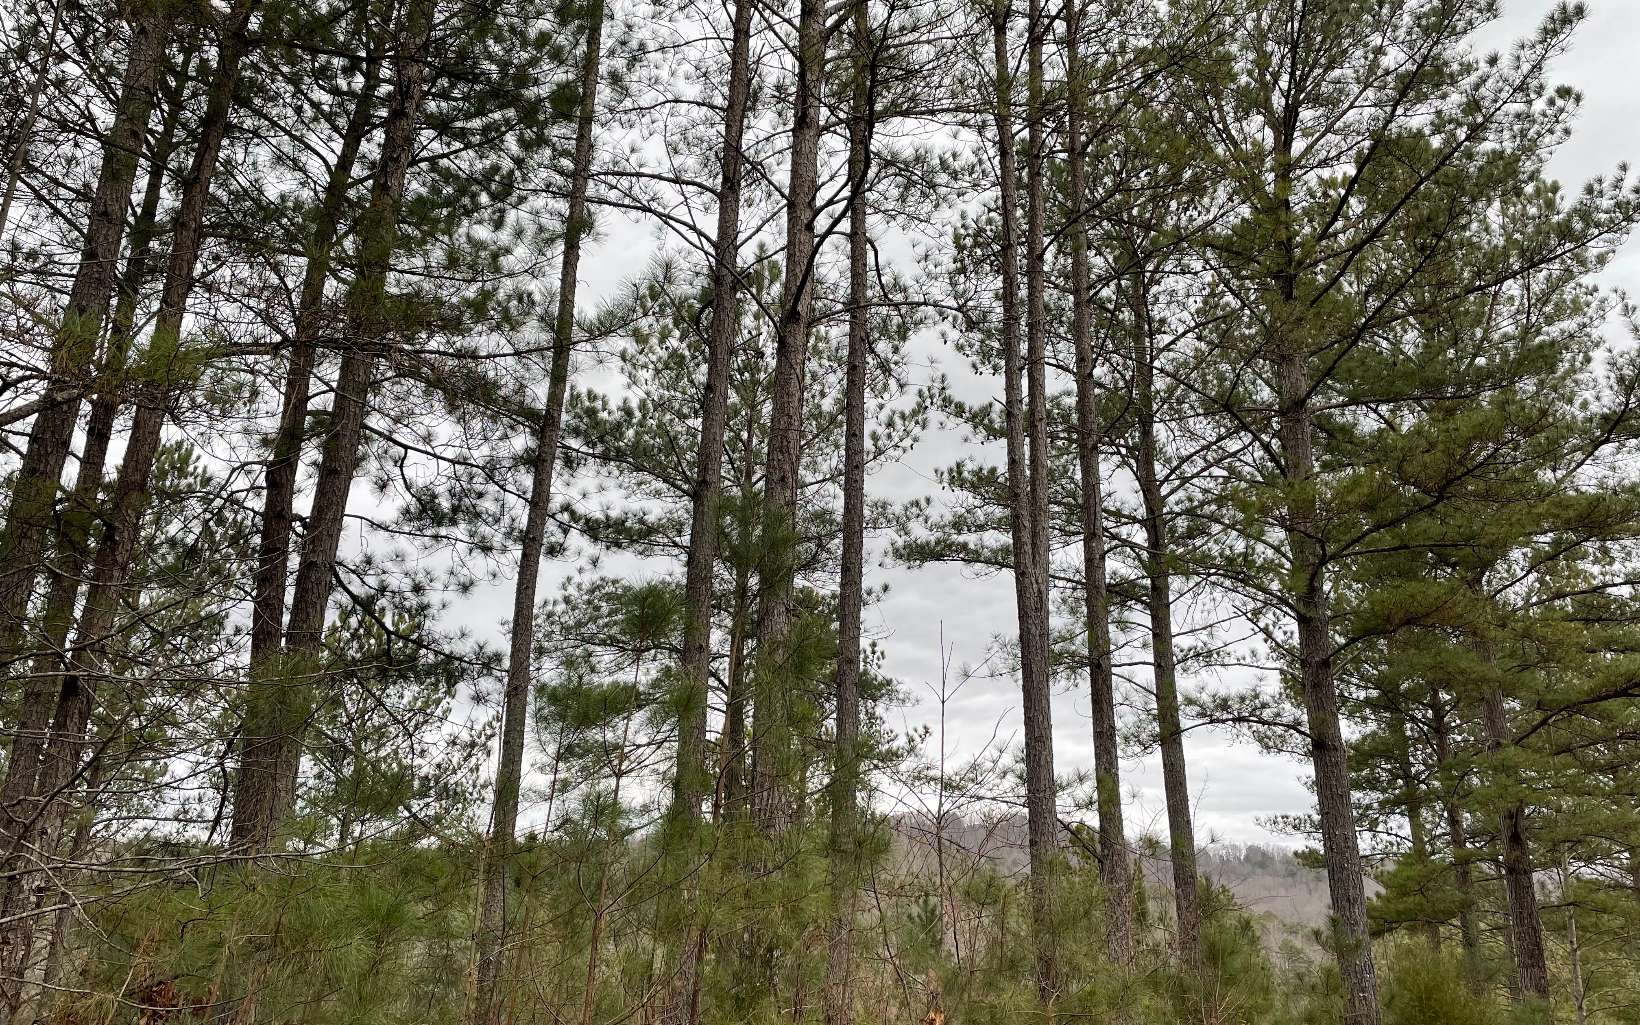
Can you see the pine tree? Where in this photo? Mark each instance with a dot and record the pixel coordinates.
(492, 929)
(1301, 266)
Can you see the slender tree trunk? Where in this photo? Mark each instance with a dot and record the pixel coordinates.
(63, 920)
(1574, 949)
(600, 905)
(771, 810)
(1412, 806)
(167, 375)
(77, 691)
(59, 888)
(1458, 840)
(690, 783)
(845, 782)
(776, 777)
(1031, 601)
(262, 739)
(73, 353)
(106, 403)
(366, 326)
(1042, 815)
(1515, 855)
(74, 533)
(19, 152)
(731, 782)
(1328, 754)
(1115, 872)
(732, 789)
(1159, 581)
(492, 930)
(1310, 596)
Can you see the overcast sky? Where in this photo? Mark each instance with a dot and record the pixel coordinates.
(1235, 784)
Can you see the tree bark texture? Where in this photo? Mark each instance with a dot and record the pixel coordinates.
(690, 783)
(492, 928)
(260, 808)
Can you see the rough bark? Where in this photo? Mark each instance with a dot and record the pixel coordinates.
(165, 375)
(1042, 816)
(262, 739)
(73, 347)
(492, 927)
(1515, 857)
(76, 698)
(1181, 831)
(256, 822)
(690, 783)
(845, 783)
(74, 548)
(771, 811)
(1311, 603)
(1328, 754)
(19, 151)
(168, 371)
(1115, 870)
(1030, 599)
(74, 541)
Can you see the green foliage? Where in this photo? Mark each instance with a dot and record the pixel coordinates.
(1423, 987)
(324, 941)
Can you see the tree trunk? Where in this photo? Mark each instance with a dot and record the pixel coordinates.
(260, 740)
(1412, 807)
(690, 784)
(845, 783)
(76, 695)
(167, 375)
(1515, 855)
(63, 920)
(1328, 754)
(771, 811)
(1114, 868)
(77, 520)
(1030, 599)
(492, 929)
(734, 768)
(74, 533)
(1309, 595)
(1169, 724)
(1458, 840)
(19, 152)
(73, 352)
(731, 782)
(1041, 791)
(256, 826)
(1574, 950)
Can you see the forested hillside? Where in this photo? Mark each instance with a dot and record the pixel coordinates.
(454, 460)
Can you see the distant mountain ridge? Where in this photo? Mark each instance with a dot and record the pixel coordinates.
(1286, 897)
